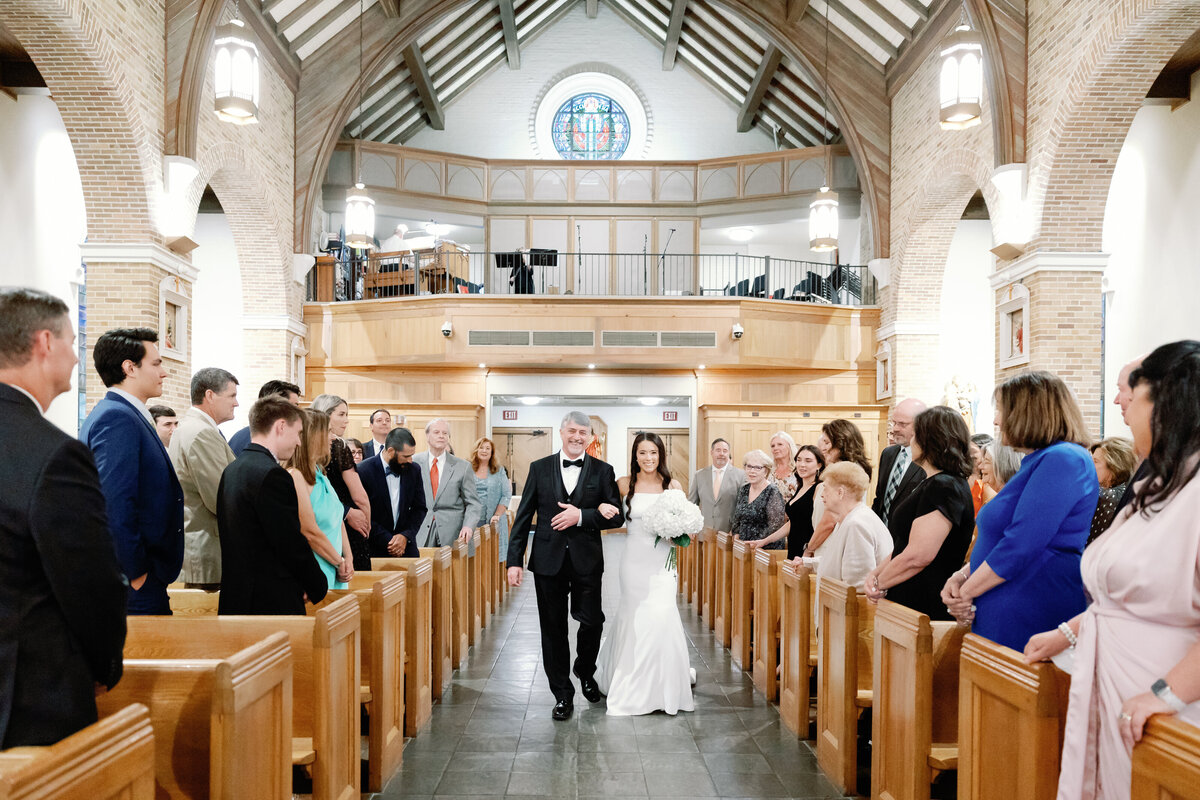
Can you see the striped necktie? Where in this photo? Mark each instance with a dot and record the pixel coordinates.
(893, 483)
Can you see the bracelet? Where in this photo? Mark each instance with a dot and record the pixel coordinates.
(1066, 631)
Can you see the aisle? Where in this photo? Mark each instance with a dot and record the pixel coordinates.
(492, 735)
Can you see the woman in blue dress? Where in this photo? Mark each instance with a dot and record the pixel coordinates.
(321, 510)
(1024, 576)
(495, 489)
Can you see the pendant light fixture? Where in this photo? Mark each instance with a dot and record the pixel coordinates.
(235, 64)
(823, 211)
(961, 83)
(360, 208)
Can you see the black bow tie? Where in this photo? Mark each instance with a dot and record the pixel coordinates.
(396, 470)
(576, 463)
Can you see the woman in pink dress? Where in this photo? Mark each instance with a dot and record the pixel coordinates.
(1137, 646)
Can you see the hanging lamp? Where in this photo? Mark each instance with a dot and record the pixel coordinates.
(823, 211)
(235, 61)
(961, 83)
(360, 208)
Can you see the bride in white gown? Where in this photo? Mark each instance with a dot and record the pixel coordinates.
(643, 662)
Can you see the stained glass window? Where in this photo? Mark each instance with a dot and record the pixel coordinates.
(590, 126)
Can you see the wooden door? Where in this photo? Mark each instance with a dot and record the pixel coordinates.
(676, 441)
(517, 448)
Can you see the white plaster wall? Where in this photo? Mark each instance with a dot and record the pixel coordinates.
(42, 214)
(967, 344)
(690, 120)
(217, 310)
(1151, 232)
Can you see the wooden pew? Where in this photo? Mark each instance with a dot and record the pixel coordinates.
(708, 552)
(381, 603)
(325, 678)
(795, 588)
(766, 621)
(221, 708)
(914, 730)
(697, 576)
(110, 760)
(502, 587)
(1166, 762)
(475, 566)
(488, 583)
(461, 638)
(846, 622)
(1011, 717)
(723, 588)
(683, 582)
(418, 638)
(741, 622)
(443, 619)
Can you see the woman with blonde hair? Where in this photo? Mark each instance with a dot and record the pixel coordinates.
(494, 487)
(860, 541)
(320, 509)
(759, 510)
(342, 473)
(1115, 462)
(783, 471)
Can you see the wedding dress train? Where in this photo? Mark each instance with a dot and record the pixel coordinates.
(643, 662)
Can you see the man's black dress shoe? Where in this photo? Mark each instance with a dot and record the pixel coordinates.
(590, 690)
(562, 710)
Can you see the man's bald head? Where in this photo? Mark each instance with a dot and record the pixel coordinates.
(902, 419)
(1124, 393)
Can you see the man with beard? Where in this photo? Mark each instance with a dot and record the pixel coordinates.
(393, 484)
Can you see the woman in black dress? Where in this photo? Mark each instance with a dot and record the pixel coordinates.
(799, 509)
(932, 527)
(759, 510)
(345, 481)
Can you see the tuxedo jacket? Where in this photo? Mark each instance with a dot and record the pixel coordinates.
(141, 492)
(912, 478)
(267, 565)
(457, 502)
(373, 474)
(718, 511)
(62, 595)
(544, 490)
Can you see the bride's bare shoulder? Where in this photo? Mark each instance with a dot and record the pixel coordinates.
(623, 485)
(676, 485)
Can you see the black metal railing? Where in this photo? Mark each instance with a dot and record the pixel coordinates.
(450, 270)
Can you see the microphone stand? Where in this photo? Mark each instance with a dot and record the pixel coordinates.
(645, 265)
(662, 263)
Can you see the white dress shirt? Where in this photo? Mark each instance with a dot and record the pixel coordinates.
(570, 475)
(393, 484)
(138, 404)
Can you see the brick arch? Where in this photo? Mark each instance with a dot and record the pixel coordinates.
(923, 244)
(117, 153)
(1116, 66)
(263, 249)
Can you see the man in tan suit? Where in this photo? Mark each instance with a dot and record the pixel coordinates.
(200, 454)
(715, 488)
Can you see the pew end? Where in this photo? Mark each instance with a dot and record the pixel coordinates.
(1166, 762)
(112, 759)
(765, 648)
(845, 625)
(795, 585)
(418, 615)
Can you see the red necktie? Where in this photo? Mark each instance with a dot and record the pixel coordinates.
(433, 477)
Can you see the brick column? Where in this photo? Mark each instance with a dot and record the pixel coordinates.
(267, 353)
(1063, 330)
(914, 359)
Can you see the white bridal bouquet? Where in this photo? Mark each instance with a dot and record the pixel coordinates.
(673, 517)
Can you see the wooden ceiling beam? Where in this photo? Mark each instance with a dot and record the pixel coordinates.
(508, 21)
(674, 30)
(758, 88)
(391, 8)
(275, 45)
(298, 13)
(917, 8)
(592, 8)
(420, 76)
(891, 20)
(319, 27)
(945, 14)
(269, 5)
(867, 30)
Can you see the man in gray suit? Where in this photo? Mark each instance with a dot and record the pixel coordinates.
(450, 493)
(715, 488)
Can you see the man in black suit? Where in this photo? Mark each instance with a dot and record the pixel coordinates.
(62, 594)
(574, 496)
(267, 566)
(898, 475)
(393, 485)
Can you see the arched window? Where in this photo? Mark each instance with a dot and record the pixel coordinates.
(590, 126)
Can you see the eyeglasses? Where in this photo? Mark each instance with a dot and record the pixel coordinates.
(753, 466)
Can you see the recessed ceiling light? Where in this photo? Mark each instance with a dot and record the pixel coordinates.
(650, 401)
(482, 366)
(701, 367)
(591, 366)
(531, 401)
(741, 234)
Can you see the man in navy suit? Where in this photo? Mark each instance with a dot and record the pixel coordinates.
(397, 495)
(288, 391)
(142, 493)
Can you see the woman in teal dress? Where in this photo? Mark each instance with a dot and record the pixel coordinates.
(321, 511)
(495, 489)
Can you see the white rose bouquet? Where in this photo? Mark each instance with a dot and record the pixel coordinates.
(673, 517)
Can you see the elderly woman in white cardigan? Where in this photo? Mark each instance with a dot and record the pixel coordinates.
(860, 541)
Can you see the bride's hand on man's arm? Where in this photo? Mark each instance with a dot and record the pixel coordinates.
(607, 510)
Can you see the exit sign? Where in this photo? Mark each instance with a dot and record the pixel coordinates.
(670, 416)
(510, 414)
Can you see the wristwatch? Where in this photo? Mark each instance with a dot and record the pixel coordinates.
(1163, 692)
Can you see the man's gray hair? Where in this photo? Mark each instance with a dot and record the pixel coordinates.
(577, 417)
(213, 378)
(431, 422)
(24, 312)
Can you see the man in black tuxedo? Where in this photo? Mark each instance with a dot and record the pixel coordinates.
(898, 475)
(574, 496)
(267, 566)
(62, 594)
(393, 485)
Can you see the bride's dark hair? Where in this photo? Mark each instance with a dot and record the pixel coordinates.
(635, 468)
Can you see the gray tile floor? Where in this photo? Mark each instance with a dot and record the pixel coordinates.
(492, 735)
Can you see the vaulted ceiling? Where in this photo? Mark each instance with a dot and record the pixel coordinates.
(733, 57)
